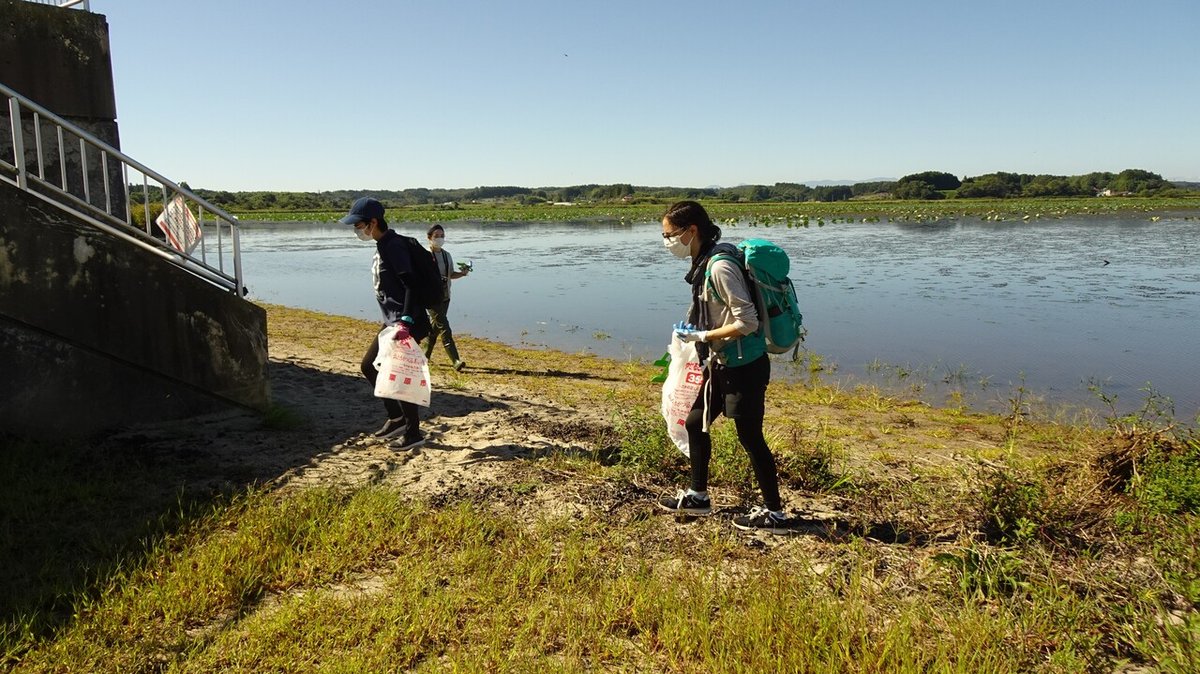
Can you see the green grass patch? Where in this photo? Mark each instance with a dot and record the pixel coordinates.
(73, 515)
(1169, 480)
(370, 582)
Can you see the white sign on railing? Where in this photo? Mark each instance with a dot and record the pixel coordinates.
(180, 226)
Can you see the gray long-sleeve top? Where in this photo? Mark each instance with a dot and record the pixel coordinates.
(738, 308)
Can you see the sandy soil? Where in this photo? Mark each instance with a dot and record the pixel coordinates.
(471, 433)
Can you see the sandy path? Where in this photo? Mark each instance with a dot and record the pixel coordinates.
(472, 434)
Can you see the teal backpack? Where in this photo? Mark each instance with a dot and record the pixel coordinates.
(779, 319)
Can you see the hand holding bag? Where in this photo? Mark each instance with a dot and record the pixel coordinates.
(403, 370)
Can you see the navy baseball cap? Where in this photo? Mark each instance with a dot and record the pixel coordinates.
(364, 209)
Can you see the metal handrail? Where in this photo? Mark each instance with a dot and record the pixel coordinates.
(109, 207)
(66, 4)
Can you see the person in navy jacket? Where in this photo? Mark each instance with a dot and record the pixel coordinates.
(391, 270)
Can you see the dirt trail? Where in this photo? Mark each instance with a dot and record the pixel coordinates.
(472, 434)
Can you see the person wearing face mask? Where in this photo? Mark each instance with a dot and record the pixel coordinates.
(723, 322)
(392, 270)
(439, 325)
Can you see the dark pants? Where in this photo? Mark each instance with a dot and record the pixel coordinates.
(739, 393)
(396, 409)
(440, 326)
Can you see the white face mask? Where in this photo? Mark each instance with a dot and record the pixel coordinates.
(437, 241)
(361, 233)
(677, 247)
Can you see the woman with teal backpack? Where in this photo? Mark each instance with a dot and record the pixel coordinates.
(723, 322)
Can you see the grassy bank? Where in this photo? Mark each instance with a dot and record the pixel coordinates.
(780, 213)
(935, 539)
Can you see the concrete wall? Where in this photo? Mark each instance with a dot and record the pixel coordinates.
(95, 332)
(60, 59)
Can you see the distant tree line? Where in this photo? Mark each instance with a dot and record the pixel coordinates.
(925, 185)
(1001, 185)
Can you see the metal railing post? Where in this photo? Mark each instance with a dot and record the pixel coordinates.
(87, 183)
(146, 200)
(37, 145)
(203, 239)
(237, 261)
(107, 182)
(62, 160)
(14, 112)
(220, 249)
(125, 191)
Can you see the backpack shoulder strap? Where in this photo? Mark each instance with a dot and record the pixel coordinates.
(730, 256)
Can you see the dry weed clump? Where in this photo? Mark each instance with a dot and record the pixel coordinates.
(1068, 506)
(1118, 463)
(1159, 467)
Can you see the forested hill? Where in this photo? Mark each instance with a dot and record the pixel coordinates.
(926, 185)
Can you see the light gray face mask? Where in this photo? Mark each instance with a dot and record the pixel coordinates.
(677, 247)
(362, 234)
(437, 241)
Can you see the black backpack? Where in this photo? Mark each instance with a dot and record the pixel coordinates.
(426, 280)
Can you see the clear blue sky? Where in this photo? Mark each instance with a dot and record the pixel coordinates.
(393, 94)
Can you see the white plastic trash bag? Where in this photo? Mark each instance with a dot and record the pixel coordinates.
(684, 380)
(403, 370)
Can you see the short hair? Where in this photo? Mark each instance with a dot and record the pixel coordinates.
(435, 228)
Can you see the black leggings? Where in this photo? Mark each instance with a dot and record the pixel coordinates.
(396, 409)
(739, 393)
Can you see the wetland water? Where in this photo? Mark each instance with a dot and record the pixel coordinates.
(925, 309)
